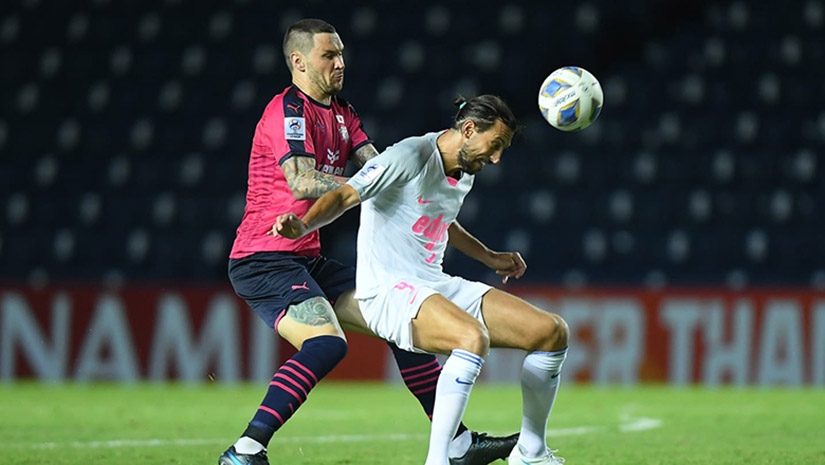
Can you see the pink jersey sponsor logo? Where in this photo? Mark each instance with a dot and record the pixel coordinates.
(434, 229)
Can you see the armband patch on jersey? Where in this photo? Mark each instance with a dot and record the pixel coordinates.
(295, 128)
(371, 172)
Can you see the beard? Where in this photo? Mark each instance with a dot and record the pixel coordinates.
(466, 164)
(331, 87)
(334, 87)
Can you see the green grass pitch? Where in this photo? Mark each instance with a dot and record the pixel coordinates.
(367, 424)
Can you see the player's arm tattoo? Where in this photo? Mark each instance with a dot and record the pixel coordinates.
(364, 154)
(315, 311)
(305, 181)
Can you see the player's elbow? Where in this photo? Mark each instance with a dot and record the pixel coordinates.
(348, 196)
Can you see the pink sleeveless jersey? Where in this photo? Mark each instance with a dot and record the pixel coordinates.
(292, 125)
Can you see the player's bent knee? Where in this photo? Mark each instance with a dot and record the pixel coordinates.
(310, 318)
(552, 336)
(338, 348)
(475, 339)
(332, 348)
(324, 353)
(561, 333)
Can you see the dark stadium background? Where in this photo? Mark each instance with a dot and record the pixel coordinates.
(126, 126)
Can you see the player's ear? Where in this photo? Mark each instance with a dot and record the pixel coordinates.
(297, 61)
(467, 128)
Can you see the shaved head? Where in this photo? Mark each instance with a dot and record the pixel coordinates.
(300, 37)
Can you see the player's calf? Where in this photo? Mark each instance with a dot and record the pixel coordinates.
(288, 390)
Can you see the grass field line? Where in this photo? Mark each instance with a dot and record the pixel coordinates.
(630, 425)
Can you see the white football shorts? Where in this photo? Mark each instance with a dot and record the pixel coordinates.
(390, 312)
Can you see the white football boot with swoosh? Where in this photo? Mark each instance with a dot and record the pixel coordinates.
(516, 458)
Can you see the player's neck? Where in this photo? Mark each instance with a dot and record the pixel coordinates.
(312, 92)
(448, 145)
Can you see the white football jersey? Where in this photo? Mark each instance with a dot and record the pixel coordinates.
(407, 204)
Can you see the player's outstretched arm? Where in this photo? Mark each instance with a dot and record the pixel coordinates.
(506, 264)
(305, 181)
(326, 210)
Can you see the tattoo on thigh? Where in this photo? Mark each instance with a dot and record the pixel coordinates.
(313, 312)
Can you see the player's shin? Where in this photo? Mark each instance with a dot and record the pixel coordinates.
(420, 373)
(540, 377)
(290, 387)
(458, 375)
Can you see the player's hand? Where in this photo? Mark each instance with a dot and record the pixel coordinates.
(508, 265)
(288, 225)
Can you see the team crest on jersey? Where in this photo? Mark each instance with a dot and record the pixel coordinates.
(370, 172)
(295, 128)
(344, 133)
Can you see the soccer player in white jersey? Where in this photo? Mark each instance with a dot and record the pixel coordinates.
(300, 149)
(410, 196)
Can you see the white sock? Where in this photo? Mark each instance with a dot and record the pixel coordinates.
(458, 374)
(247, 445)
(540, 376)
(461, 444)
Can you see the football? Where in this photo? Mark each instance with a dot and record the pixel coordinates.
(570, 98)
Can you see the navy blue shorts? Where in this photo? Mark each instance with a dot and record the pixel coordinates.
(272, 281)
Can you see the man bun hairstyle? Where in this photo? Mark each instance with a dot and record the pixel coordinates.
(484, 110)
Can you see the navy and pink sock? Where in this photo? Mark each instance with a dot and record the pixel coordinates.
(292, 383)
(420, 373)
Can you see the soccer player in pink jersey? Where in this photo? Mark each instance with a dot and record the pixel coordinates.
(410, 197)
(300, 149)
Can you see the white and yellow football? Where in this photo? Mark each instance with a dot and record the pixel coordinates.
(571, 98)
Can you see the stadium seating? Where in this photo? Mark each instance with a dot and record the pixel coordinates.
(126, 128)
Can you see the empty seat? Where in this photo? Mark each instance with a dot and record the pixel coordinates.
(128, 129)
